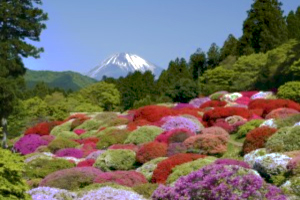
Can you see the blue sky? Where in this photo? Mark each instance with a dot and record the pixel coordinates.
(80, 33)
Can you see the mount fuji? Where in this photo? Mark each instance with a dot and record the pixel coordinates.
(121, 64)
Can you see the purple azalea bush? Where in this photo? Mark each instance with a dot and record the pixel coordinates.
(199, 101)
(219, 182)
(228, 161)
(69, 152)
(180, 122)
(29, 143)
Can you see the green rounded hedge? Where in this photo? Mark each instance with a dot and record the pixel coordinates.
(290, 90)
(63, 127)
(116, 136)
(245, 128)
(61, 143)
(143, 134)
(116, 159)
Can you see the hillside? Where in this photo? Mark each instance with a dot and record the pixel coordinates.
(65, 80)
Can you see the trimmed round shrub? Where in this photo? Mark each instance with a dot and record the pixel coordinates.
(231, 97)
(145, 189)
(180, 122)
(271, 104)
(257, 138)
(43, 128)
(291, 188)
(247, 127)
(69, 152)
(228, 161)
(285, 139)
(164, 168)
(294, 165)
(117, 122)
(77, 122)
(290, 90)
(86, 163)
(68, 135)
(90, 124)
(174, 135)
(94, 155)
(118, 159)
(281, 113)
(29, 143)
(48, 138)
(71, 179)
(132, 147)
(12, 185)
(126, 178)
(61, 143)
(289, 121)
(152, 113)
(175, 148)
(217, 95)
(219, 182)
(187, 168)
(151, 150)
(143, 134)
(147, 168)
(253, 155)
(62, 127)
(213, 103)
(243, 100)
(41, 167)
(199, 101)
(106, 116)
(214, 130)
(116, 136)
(48, 193)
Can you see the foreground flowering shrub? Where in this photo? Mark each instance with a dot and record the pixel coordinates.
(126, 178)
(217, 182)
(69, 152)
(143, 134)
(257, 138)
(29, 143)
(116, 159)
(152, 113)
(228, 161)
(43, 128)
(151, 150)
(164, 168)
(174, 135)
(180, 122)
(253, 155)
(110, 193)
(48, 193)
(71, 179)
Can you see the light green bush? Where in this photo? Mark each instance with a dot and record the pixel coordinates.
(290, 90)
(116, 159)
(63, 127)
(247, 127)
(145, 189)
(114, 137)
(289, 121)
(90, 124)
(61, 143)
(143, 134)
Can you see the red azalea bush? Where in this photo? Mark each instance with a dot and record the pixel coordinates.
(43, 128)
(175, 135)
(133, 125)
(212, 115)
(88, 140)
(223, 124)
(188, 111)
(243, 100)
(271, 104)
(69, 152)
(214, 103)
(125, 178)
(29, 143)
(248, 94)
(257, 138)
(281, 113)
(164, 168)
(175, 148)
(77, 116)
(151, 150)
(152, 113)
(79, 131)
(71, 179)
(86, 163)
(132, 147)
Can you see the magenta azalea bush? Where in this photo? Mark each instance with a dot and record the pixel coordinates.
(69, 152)
(228, 161)
(29, 143)
(219, 182)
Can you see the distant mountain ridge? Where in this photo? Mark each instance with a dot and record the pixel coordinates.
(121, 64)
(65, 80)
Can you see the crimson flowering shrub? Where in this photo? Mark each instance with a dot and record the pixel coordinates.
(281, 113)
(79, 131)
(175, 148)
(132, 147)
(29, 143)
(152, 113)
(212, 115)
(151, 150)
(71, 179)
(126, 178)
(187, 111)
(248, 93)
(228, 161)
(43, 128)
(271, 104)
(133, 125)
(174, 135)
(69, 152)
(243, 100)
(257, 138)
(86, 163)
(223, 124)
(77, 116)
(215, 182)
(164, 168)
(87, 140)
(213, 103)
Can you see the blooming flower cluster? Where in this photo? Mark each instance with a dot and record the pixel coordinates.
(29, 143)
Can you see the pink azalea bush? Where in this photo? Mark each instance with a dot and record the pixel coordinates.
(29, 143)
(69, 152)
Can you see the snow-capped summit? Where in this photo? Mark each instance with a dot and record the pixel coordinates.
(121, 64)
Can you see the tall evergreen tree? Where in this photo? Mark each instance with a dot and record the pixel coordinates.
(213, 56)
(229, 47)
(265, 27)
(197, 63)
(293, 24)
(20, 21)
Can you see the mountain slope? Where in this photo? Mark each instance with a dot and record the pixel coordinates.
(121, 64)
(65, 80)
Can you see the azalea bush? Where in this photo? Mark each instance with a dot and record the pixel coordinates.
(43, 128)
(281, 113)
(175, 148)
(69, 152)
(61, 143)
(213, 103)
(152, 113)
(151, 150)
(180, 122)
(115, 136)
(147, 168)
(29, 143)
(143, 134)
(244, 129)
(174, 135)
